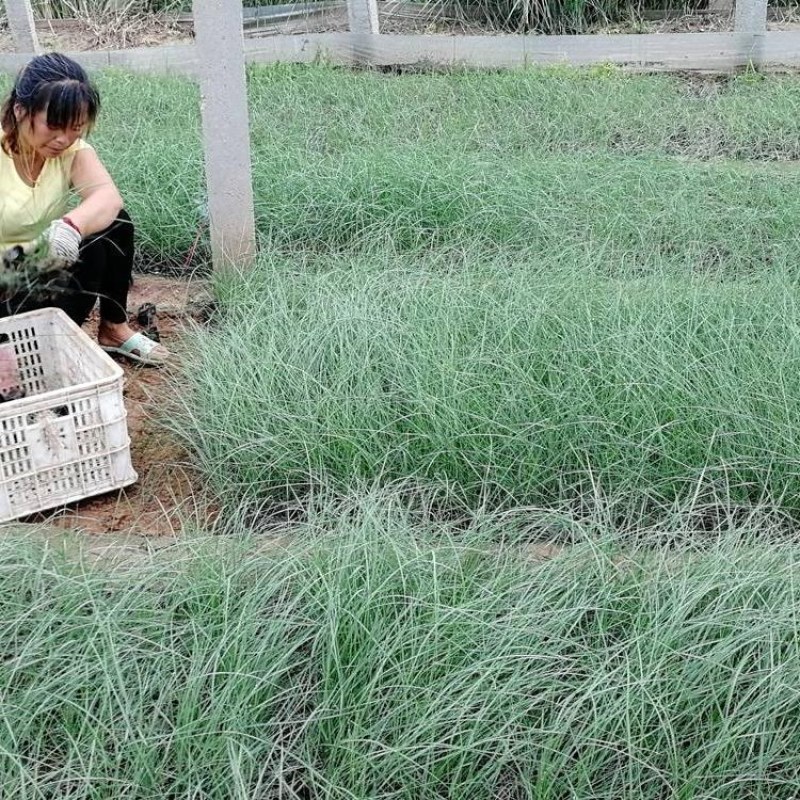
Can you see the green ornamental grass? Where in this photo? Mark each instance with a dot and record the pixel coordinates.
(498, 383)
(550, 287)
(611, 167)
(551, 303)
(381, 658)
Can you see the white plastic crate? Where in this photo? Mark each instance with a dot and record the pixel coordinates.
(67, 438)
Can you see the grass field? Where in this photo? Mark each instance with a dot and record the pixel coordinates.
(549, 287)
(490, 311)
(600, 168)
(380, 657)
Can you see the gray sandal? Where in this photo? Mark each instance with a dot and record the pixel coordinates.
(141, 350)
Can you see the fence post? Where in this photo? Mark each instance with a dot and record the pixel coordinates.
(20, 22)
(226, 130)
(363, 16)
(751, 16)
(750, 25)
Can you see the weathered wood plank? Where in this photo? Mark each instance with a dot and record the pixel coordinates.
(779, 49)
(703, 51)
(492, 51)
(686, 51)
(300, 49)
(179, 59)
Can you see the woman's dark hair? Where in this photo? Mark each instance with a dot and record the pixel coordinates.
(53, 82)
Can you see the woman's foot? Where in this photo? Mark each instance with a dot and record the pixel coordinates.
(118, 338)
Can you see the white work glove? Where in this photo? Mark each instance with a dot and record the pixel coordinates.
(63, 243)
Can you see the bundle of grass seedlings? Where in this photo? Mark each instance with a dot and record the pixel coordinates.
(380, 657)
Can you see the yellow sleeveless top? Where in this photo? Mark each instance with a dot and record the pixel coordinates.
(25, 211)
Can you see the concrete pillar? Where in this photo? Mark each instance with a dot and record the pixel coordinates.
(226, 131)
(749, 26)
(363, 16)
(751, 16)
(20, 23)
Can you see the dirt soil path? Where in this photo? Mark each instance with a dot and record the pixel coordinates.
(168, 491)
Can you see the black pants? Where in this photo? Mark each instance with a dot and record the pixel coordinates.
(104, 271)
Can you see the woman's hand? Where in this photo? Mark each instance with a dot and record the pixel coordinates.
(63, 242)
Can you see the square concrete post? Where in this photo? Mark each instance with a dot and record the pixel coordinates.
(20, 22)
(751, 16)
(226, 131)
(750, 25)
(363, 16)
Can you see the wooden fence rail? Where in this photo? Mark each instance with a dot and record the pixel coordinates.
(748, 44)
(715, 52)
